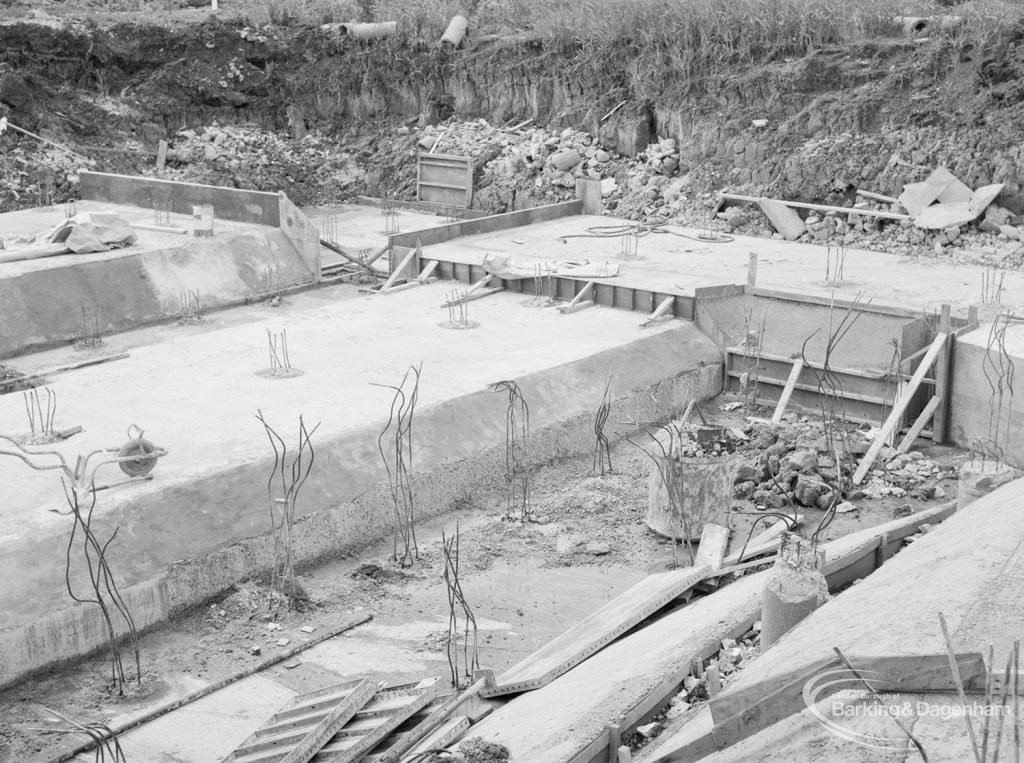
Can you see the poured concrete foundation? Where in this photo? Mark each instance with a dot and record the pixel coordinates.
(201, 523)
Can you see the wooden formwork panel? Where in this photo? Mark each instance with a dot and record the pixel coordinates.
(444, 179)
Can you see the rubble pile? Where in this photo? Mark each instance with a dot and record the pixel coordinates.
(795, 465)
(309, 170)
(32, 175)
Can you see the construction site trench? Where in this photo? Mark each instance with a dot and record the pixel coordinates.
(530, 397)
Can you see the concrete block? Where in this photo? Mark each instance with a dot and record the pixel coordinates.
(632, 136)
(785, 220)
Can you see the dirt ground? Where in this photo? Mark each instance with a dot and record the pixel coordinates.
(581, 521)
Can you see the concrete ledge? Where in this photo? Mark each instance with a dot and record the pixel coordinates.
(42, 306)
(489, 224)
(70, 634)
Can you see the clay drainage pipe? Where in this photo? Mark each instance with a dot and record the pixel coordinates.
(370, 31)
(188, 699)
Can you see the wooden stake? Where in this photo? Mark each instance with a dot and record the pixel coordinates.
(397, 271)
(896, 414)
(660, 311)
(820, 207)
(919, 424)
(787, 392)
(752, 269)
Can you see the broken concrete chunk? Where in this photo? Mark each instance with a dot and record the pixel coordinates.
(939, 216)
(983, 197)
(282, 642)
(564, 161)
(916, 197)
(955, 191)
(1010, 232)
(648, 730)
(785, 220)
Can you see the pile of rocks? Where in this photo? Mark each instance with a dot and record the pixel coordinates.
(33, 175)
(310, 169)
(794, 465)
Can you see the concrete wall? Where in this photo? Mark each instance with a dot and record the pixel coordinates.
(44, 307)
(488, 224)
(255, 207)
(973, 409)
(195, 541)
(789, 322)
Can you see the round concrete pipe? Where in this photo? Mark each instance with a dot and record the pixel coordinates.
(456, 31)
(795, 588)
(370, 31)
(980, 477)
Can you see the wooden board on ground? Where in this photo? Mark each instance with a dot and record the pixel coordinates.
(596, 631)
(377, 720)
(566, 720)
(714, 540)
(305, 724)
(373, 723)
(444, 735)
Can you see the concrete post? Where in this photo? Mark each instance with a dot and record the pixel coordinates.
(795, 588)
(590, 192)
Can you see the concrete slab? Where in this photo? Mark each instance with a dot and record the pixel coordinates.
(363, 227)
(196, 389)
(42, 300)
(670, 262)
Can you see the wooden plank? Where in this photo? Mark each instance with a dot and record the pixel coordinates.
(942, 377)
(17, 380)
(388, 710)
(787, 391)
(581, 293)
(663, 308)
(428, 271)
(714, 540)
(478, 295)
(878, 197)
(819, 207)
(305, 724)
(596, 631)
(397, 271)
(918, 425)
(444, 735)
(570, 309)
(897, 412)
